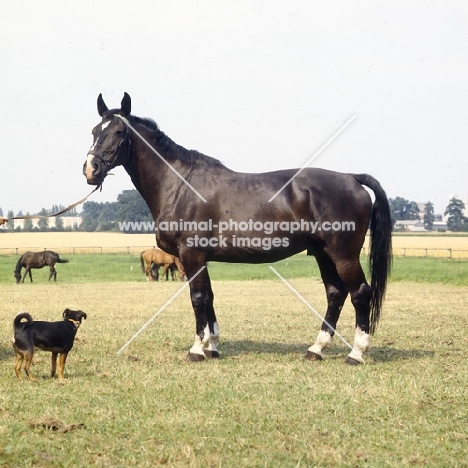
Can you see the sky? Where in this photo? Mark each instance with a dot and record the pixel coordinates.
(260, 85)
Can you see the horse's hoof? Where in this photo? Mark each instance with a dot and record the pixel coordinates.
(352, 362)
(310, 356)
(192, 357)
(211, 354)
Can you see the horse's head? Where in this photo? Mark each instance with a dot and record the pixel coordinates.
(111, 143)
(17, 275)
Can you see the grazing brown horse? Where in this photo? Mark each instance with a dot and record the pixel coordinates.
(159, 258)
(205, 212)
(37, 260)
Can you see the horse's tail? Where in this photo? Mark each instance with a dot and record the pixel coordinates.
(380, 255)
(142, 262)
(17, 321)
(60, 260)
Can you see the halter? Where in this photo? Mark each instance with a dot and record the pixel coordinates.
(116, 153)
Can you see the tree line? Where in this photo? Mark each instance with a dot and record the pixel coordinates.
(402, 209)
(130, 206)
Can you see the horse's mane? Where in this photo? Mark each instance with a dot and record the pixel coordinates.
(172, 150)
(19, 264)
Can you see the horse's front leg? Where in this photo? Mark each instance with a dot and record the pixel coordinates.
(164, 271)
(148, 272)
(26, 272)
(200, 297)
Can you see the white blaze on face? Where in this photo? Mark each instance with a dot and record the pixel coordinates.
(361, 345)
(89, 167)
(103, 127)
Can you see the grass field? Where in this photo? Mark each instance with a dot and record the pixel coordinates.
(85, 268)
(261, 404)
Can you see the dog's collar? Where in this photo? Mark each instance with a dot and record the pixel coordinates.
(75, 322)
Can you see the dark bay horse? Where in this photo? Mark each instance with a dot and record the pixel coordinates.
(159, 258)
(172, 269)
(204, 212)
(37, 260)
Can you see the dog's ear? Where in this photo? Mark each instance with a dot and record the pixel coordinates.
(66, 312)
(82, 314)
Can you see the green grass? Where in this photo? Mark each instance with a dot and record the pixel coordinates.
(84, 268)
(261, 404)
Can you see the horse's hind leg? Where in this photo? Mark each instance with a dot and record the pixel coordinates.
(53, 272)
(212, 349)
(360, 291)
(336, 295)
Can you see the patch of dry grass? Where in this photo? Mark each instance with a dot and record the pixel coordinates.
(110, 242)
(75, 242)
(260, 404)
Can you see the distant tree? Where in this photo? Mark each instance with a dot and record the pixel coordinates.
(90, 216)
(11, 224)
(429, 216)
(99, 216)
(1, 212)
(59, 224)
(400, 208)
(28, 224)
(132, 207)
(43, 223)
(456, 221)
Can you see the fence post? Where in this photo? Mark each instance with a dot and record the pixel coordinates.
(450, 254)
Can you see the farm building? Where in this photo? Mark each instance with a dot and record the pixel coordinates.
(409, 225)
(68, 222)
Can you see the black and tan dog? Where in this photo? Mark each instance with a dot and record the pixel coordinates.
(56, 337)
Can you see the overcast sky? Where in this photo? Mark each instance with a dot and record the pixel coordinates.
(260, 85)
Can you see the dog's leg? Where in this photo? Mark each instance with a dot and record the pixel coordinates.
(19, 363)
(54, 364)
(61, 366)
(28, 358)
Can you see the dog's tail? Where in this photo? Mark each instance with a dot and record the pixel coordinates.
(17, 323)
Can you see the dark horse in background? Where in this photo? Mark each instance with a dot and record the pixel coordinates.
(170, 178)
(37, 260)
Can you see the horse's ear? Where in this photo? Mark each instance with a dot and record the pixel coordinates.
(101, 105)
(126, 105)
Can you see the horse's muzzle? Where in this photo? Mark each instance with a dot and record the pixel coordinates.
(94, 171)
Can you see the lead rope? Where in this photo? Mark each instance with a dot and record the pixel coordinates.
(68, 208)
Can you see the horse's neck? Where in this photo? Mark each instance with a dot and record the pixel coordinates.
(19, 265)
(150, 175)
